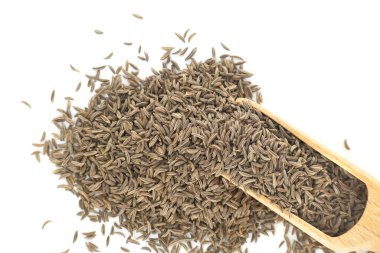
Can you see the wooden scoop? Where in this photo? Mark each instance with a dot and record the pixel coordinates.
(365, 234)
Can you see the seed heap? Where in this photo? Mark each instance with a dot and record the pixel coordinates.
(150, 151)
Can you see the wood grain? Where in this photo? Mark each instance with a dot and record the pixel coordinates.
(365, 235)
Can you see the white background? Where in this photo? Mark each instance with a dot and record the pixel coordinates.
(317, 61)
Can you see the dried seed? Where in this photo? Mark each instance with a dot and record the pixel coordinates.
(224, 46)
(191, 36)
(191, 54)
(75, 236)
(180, 37)
(78, 87)
(73, 68)
(98, 32)
(137, 16)
(52, 96)
(43, 136)
(45, 223)
(27, 104)
(108, 56)
(346, 146)
(185, 34)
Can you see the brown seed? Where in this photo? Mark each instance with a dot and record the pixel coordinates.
(190, 37)
(185, 34)
(183, 51)
(91, 247)
(43, 136)
(27, 104)
(146, 249)
(75, 236)
(166, 55)
(346, 146)
(52, 96)
(137, 16)
(191, 54)
(37, 155)
(108, 241)
(73, 68)
(89, 235)
(128, 43)
(167, 48)
(180, 37)
(125, 249)
(66, 251)
(103, 229)
(108, 56)
(98, 32)
(45, 223)
(224, 46)
(78, 87)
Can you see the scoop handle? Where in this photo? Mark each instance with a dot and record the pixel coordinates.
(365, 234)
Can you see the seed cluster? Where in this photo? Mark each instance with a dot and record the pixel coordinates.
(150, 152)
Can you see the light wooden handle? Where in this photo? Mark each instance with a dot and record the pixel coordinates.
(365, 235)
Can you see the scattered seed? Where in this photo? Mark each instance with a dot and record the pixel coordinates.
(191, 54)
(224, 46)
(137, 16)
(125, 249)
(43, 136)
(103, 229)
(89, 235)
(98, 32)
(37, 155)
(52, 96)
(27, 104)
(190, 37)
(75, 237)
(73, 68)
(78, 87)
(45, 223)
(185, 34)
(180, 37)
(346, 146)
(108, 56)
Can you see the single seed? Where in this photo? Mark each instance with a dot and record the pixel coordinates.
(137, 16)
(103, 229)
(43, 136)
(190, 37)
(27, 104)
(346, 146)
(75, 236)
(98, 32)
(185, 34)
(108, 56)
(191, 54)
(78, 87)
(180, 37)
(125, 249)
(73, 68)
(52, 96)
(224, 46)
(45, 223)
(128, 43)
